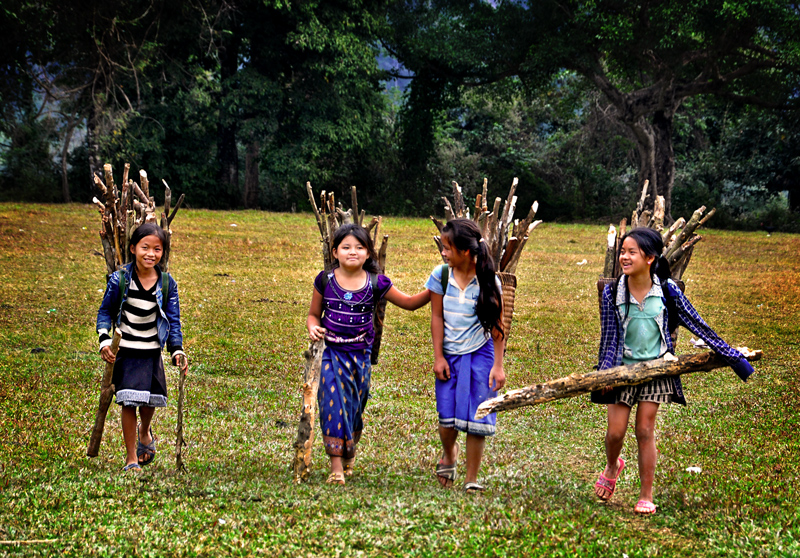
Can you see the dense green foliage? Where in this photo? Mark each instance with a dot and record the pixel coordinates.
(244, 294)
(239, 103)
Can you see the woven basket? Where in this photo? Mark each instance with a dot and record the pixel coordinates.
(508, 281)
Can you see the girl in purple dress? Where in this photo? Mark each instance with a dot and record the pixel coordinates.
(341, 313)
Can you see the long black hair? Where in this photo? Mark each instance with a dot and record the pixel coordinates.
(362, 236)
(464, 234)
(651, 244)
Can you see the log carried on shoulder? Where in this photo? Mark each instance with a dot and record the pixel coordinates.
(301, 465)
(631, 375)
(106, 393)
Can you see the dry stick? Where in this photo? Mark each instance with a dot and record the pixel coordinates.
(639, 206)
(145, 184)
(478, 208)
(622, 226)
(106, 391)
(179, 441)
(644, 218)
(301, 465)
(354, 205)
(167, 199)
(438, 223)
(30, 541)
(658, 214)
(175, 211)
(99, 205)
(380, 308)
(577, 384)
(706, 218)
(687, 231)
(669, 236)
(678, 254)
(512, 263)
(449, 214)
(460, 208)
(491, 228)
(608, 267)
(316, 210)
(509, 251)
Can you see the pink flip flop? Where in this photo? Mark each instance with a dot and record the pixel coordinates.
(643, 507)
(610, 484)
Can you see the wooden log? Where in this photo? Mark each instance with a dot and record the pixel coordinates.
(449, 213)
(179, 441)
(177, 207)
(658, 214)
(354, 205)
(106, 393)
(478, 208)
(678, 254)
(577, 384)
(459, 207)
(145, 184)
(669, 235)
(511, 248)
(687, 231)
(622, 226)
(611, 254)
(511, 267)
(315, 208)
(379, 312)
(635, 218)
(301, 465)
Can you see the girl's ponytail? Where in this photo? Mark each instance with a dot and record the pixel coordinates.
(489, 304)
(464, 234)
(661, 268)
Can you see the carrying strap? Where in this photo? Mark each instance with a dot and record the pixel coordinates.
(672, 307)
(444, 277)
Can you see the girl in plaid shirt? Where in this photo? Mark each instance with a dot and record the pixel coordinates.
(634, 328)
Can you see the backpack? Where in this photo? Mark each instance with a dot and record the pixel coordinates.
(444, 278)
(123, 288)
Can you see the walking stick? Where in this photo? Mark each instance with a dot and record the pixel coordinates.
(179, 441)
(106, 391)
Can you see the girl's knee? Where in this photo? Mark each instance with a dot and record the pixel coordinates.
(615, 436)
(645, 432)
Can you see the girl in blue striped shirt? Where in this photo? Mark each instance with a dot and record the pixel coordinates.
(468, 342)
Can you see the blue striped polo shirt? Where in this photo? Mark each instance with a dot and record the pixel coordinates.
(463, 332)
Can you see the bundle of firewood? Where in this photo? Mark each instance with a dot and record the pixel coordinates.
(679, 239)
(504, 235)
(123, 211)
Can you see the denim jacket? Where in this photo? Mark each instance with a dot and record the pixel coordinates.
(168, 318)
(612, 343)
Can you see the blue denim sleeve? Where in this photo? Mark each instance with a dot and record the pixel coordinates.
(692, 321)
(173, 311)
(609, 335)
(107, 314)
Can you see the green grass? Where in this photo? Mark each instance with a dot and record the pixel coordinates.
(244, 295)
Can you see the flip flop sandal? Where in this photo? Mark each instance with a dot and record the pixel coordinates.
(447, 472)
(643, 507)
(147, 450)
(610, 484)
(336, 478)
(473, 487)
(133, 467)
(348, 466)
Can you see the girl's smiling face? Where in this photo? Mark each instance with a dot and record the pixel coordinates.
(352, 255)
(148, 252)
(633, 260)
(453, 255)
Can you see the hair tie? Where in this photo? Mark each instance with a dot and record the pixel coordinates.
(481, 240)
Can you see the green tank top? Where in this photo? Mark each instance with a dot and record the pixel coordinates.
(642, 330)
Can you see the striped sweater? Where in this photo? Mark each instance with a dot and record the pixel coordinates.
(138, 323)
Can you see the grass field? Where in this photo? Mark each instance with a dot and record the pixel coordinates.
(244, 296)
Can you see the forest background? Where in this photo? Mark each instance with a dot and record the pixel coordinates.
(237, 103)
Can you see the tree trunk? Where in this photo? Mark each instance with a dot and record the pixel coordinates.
(227, 150)
(65, 197)
(577, 384)
(251, 175)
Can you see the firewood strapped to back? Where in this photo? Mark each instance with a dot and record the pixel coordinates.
(504, 235)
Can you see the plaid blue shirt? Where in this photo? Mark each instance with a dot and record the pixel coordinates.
(611, 332)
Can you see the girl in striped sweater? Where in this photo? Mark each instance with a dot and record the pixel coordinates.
(142, 302)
